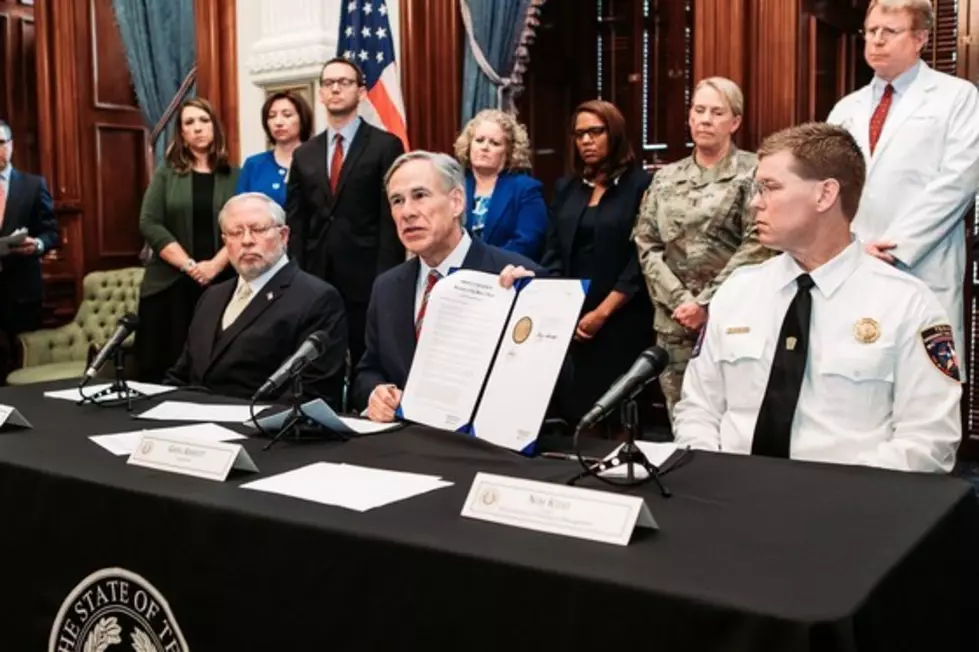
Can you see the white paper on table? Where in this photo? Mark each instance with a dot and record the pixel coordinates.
(186, 411)
(346, 485)
(656, 452)
(73, 394)
(125, 443)
(465, 315)
(529, 362)
(319, 411)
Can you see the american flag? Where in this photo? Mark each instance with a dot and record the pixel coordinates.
(365, 37)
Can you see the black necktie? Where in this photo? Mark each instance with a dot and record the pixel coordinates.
(773, 430)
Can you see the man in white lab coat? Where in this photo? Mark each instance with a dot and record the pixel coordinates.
(919, 132)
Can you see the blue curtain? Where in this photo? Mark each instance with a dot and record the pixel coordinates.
(158, 36)
(497, 25)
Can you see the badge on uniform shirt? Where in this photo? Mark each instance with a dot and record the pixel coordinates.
(737, 330)
(866, 330)
(940, 346)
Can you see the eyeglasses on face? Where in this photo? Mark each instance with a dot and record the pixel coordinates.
(342, 82)
(256, 231)
(594, 132)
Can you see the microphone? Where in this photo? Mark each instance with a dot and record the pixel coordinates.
(125, 326)
(647, 366)
(313, 347)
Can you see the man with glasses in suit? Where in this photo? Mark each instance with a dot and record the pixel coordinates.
(340, 220)
(244, 328)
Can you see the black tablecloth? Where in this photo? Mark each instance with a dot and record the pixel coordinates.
(752, 555)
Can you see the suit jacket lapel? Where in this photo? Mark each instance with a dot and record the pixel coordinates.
(357, 146)
(258, 305)
(403, 310)
(15, 197)
(216, 313)
(898, 115)
(575, 208)
(502, 195)
(320, 171)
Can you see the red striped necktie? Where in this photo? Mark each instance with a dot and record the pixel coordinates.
(880, 115)
(433, 278)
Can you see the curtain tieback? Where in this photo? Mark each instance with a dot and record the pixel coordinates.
(174, 105)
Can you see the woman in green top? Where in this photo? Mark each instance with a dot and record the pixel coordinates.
(179, 221)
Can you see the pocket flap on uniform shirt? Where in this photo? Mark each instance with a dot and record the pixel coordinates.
(860, 367)
(737, 346)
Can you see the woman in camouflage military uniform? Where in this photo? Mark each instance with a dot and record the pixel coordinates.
(695, 226)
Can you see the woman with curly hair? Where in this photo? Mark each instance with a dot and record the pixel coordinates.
(504, 205)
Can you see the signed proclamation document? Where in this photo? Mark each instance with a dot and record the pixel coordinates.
(488, 358)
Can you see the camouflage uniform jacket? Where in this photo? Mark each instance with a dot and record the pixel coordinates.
(694, 228)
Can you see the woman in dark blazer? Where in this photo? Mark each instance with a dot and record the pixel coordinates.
(179, 221)
(589, 237)
(504, 205)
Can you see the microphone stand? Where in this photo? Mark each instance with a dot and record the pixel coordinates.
(628, 454)
(119, 387)
(296, 421)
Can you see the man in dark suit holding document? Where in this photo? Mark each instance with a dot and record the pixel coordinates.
(428, 202)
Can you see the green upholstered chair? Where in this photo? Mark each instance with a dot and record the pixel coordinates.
(62, 353)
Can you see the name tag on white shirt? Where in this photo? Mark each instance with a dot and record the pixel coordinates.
(211, 461)
(557, 509)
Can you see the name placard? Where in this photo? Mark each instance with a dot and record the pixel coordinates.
(11, 418)
(212, 460)
(557, 509)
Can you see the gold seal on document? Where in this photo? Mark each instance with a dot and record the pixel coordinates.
(522, 329)
(488, 497)
(866, 330)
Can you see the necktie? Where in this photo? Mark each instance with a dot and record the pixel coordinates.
(236, 305)
(433, 278)
(773, 430)
(880, 115)
(336, 162)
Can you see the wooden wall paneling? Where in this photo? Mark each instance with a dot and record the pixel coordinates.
(217, 64)
(113, 139)
(59, 150)
(18, 95)
(720, 39)
(773, 82)
(561, 75)
(969, 39)
(431, 71)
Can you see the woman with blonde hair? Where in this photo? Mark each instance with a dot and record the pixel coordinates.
(504, 205)
(696, 226)
(179, 221)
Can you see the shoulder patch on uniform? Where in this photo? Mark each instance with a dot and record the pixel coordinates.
(940, 347)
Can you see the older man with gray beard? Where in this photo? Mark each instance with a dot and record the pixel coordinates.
(244, 328)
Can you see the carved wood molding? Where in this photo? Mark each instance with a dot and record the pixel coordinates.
(57, 89)
(217, 64)
(431, 79)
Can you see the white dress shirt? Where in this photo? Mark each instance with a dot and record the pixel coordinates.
(879, 403)
(453, 261)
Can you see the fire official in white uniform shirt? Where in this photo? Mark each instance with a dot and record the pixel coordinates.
(919, 132)
(823, 353)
